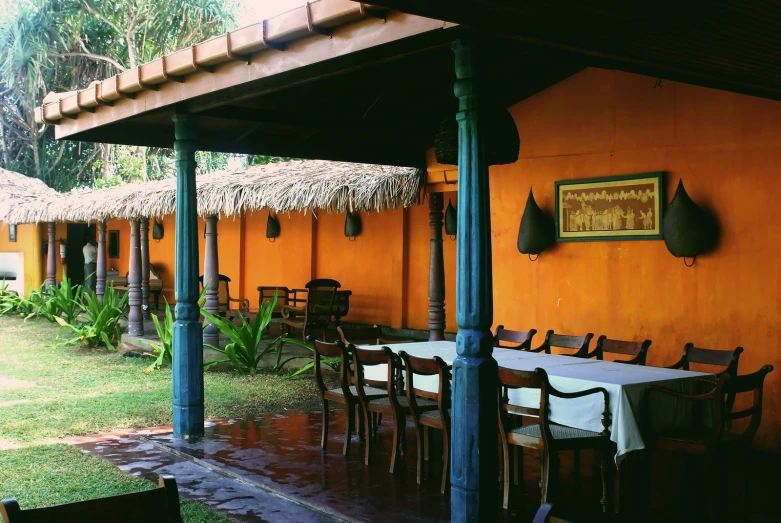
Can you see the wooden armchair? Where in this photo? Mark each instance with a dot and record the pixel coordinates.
(547, 437)
(316, 312)
(160, 505)
(638, 349)
(521, 339)
(365, 335)
(426, 417)
(714, 441)
(267, 294)
(724, 358)
(563, 341)
(224, 299)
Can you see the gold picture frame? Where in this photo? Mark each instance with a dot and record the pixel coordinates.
(628, 207)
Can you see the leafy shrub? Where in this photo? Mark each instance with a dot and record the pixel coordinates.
(9, 300)
(242, 351)
(66, 300)
(165, 349)
(103, 325)
(335, 363)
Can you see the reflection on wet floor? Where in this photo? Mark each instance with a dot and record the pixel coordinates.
(273, 469)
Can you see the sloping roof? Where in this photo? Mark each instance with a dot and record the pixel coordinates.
(293, 186)
(18, 190)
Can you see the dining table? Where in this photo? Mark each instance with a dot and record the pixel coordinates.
(624, 383)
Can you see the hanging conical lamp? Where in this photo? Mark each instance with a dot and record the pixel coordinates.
(688, 229)
(451, 220)
(352, 225)
(502, 142)
(272, 227)
(537, 231)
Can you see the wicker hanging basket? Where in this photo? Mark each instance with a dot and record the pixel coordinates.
(688, 229)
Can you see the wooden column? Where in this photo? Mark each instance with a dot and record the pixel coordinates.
(474, 460)
(51, 258)
(211, 279)
(436, 270)
(144, 229)
(100, 271)
(188, 340)
(135, 317)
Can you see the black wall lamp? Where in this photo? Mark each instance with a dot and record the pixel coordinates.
(537, 231)
(352, 225)
(451, 220)
(272, 227)
(688, 229)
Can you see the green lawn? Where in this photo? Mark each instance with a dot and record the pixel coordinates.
(48, 393)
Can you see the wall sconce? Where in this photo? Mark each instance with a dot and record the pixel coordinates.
(272, 227)
(451, 220)
(502, 142)
(12, 233)
(352, 225)
(537, 231)
(157, 231)
(688, 229)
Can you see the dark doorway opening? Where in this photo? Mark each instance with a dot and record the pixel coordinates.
(78, 234)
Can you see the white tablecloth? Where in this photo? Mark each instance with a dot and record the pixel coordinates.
(625, 385)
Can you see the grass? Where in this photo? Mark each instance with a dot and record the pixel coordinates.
(58, 392)
(82, 391)
(54, 474)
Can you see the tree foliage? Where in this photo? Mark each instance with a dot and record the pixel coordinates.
(63, 45)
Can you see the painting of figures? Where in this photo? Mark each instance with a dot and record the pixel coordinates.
(615, 208)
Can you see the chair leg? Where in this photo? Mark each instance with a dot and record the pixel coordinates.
(324, 439)
(550, 473)
(359, 425)
(368, 422)
(506, 478)
(421, 440)
(397, 430)
(606, 469)
(445, 460)
(545, 476)
(516, 452)
(348, 429)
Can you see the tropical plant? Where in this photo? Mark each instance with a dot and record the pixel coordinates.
(66, 300)
(243, 349)
(334, 363)
(103, 325)
(9, 300)
(41, 304)
(164, 351)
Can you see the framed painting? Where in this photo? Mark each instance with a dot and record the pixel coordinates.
(613, 208)
(113, 244)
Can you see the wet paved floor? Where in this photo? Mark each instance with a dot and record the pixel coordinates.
(273, 469)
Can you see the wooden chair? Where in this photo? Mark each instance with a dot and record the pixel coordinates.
(316, 312)
(718, 439)
(638, 349)
(723, 358)
(394, 403)
(564, 341)
(429, 417)
(547, 437)
(224, 299)
(160, 505)
(345, 394)
(521, 339)
(366, 336)
(266, 293)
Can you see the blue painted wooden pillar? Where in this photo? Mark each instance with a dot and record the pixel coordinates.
(188, 341)
(475, 446)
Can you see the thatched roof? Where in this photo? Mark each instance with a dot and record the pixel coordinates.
(18, 191)
(282, 187)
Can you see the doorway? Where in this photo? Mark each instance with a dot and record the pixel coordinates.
(78, 234)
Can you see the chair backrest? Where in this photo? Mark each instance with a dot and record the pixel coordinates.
(320, 300)
(368, 358)
(522, 340)
(267, 294)
(566, 341)
(723, 358)
(223, 291)
(638, 349)
(332, 350)
(160, 505)
(153, 274)
(753, 383)
(516, 379)
(435, 366)
(360, 335)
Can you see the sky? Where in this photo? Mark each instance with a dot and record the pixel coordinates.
(252, 11)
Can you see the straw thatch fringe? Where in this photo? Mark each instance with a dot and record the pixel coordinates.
(294, 186)
(18, 192)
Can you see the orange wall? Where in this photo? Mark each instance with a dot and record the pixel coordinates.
(727, 150)
(27, 241)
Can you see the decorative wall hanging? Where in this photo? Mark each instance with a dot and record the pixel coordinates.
(157, 231)
(352, 225)
(12, 233)
(502, 141)
(612, 208)
(451, 220)
(537, 231)
(113, 244)
(689, 230)
(272, 227)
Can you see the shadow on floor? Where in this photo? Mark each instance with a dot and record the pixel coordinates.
(279, 456)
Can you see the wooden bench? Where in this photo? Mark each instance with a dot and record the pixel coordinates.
(160, 505)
